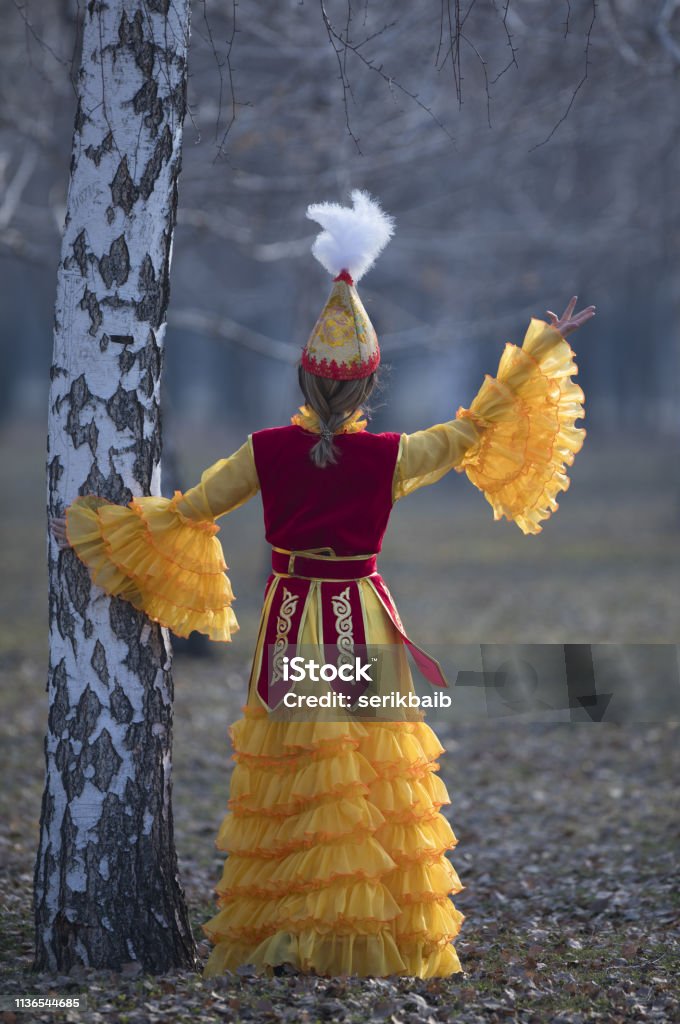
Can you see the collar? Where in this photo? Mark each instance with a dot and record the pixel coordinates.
(308, 420)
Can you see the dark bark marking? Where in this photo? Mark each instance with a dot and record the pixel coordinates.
(178, 97)
(78, 583)
(150, 305)
(146, 101)
(104, 758)
(167, 249)
(126, 411)
(95, 482)
(115, 302)
(126, 622)
(134, 737)
(150, 359)
(63, 761)
(110, 487)
(143, 660)
(95, 153)
(110, 214)
(48, 809)
(153, 416)
(87, 713)
(79, 397)
(39, 869)
(161, 154)
(131, 34)
(66, 925)
(148, 456)
(124, 192)
(104, 342)
(80, 253)
(66, 623)
(90, 303)
(79, 394)
(121, 708)
(114, 266)
(146, 386)
(92, 436)
(57, 371)
(126, 360)
(99, 663)
(81, 118)
(44, 868)
(59, 705)
(55, 471)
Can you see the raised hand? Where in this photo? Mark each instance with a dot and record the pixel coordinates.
(58, 528)
(569, 321)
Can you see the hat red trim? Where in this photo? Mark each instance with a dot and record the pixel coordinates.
(339, 371)
(344, 275)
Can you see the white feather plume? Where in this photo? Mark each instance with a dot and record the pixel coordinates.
(353, 236)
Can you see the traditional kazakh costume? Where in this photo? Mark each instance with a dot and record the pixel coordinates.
(335, 838)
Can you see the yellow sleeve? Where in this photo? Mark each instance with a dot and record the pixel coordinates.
(162, 554)
(427, 455)
(523, 419)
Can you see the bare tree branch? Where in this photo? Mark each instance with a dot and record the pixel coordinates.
(230, 73)
(579, 85)
(21, 8)
(340, 43)
(513, 51)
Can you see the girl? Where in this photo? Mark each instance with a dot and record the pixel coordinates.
(337, 846)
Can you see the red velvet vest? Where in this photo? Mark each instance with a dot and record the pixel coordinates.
(345, 506)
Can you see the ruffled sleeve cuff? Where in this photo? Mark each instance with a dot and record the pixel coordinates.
(148, 552)
(526, 417)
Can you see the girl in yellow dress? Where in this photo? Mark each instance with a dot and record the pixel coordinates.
(335, 838)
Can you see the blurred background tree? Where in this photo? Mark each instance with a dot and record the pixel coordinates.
(528, 151)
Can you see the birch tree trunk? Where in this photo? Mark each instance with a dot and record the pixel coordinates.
(107, 889)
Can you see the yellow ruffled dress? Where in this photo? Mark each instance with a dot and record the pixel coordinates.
(337, 847)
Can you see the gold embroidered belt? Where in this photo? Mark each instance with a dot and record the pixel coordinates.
(314, 565)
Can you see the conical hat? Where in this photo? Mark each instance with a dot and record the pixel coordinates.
(343, 344)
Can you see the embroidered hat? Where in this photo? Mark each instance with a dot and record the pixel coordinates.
(343, 344)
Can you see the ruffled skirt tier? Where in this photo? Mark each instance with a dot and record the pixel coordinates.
(336, 851)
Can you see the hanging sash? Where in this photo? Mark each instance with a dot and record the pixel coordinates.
(299, 576)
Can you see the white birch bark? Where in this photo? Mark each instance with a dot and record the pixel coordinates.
(106, 880)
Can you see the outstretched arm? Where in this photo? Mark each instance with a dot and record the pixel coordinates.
(223, 487)
(427, 455)
(518, 432)
(161, 554)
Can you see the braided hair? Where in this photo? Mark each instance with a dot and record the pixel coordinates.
(334, 402)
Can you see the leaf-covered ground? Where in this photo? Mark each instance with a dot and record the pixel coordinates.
(568, 832)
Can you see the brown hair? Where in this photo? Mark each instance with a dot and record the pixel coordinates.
(334, 402)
